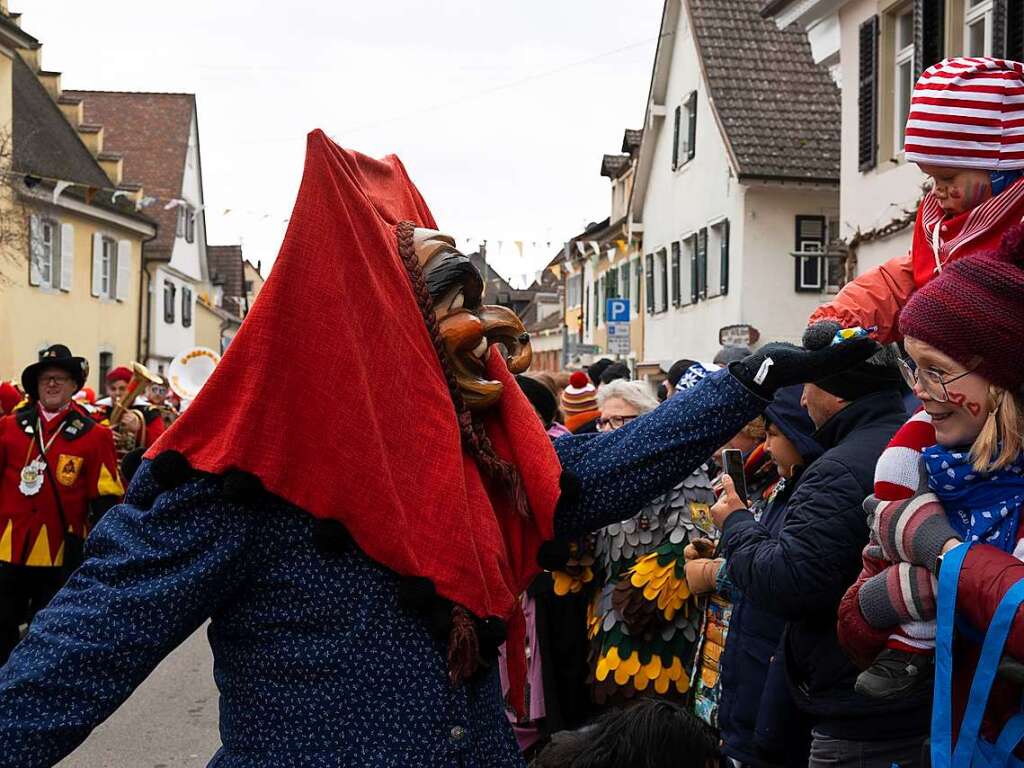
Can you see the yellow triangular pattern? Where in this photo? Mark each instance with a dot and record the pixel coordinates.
(40, 554)
(5, 543)
(108, 485)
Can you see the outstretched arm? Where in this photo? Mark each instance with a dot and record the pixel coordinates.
(622, 471)
(155, 569)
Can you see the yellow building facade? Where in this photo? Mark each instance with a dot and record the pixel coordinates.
(70, 253)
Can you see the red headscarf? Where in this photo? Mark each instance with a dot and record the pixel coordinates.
(334, 325)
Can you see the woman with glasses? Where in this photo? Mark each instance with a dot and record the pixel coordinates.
(963, 335)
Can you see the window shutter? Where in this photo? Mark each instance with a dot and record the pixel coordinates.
(124, 269)
(702, 264)
(929, 33)
(675, 137)
(867, 96)
(999, 29)
(691, 144)
(179, 227)
(67, 256)
(597, 304)
(725, 257)
(1014, 28)
(694, 292)
(650, 284)
(677, 298)
(663, 268)
(97, 264)
(35, 250)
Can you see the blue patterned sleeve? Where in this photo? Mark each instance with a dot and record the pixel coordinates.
(622, 471)
(156, 568)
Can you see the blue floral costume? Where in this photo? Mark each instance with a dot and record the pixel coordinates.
(316, 660)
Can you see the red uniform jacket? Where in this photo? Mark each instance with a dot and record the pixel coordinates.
(81, 459)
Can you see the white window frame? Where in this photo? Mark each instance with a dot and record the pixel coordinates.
(108, 269)
(714, 256)
(983, 11)
(49, 267)
(901, 56)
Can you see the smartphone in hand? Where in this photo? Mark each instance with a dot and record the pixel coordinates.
(732, 464)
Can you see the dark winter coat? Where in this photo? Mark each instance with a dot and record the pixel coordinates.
(756, 715)
(801, 574)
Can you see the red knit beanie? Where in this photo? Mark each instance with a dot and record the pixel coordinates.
(975, 309)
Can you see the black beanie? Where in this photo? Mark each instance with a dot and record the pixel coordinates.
(540, 397)
(876, 374)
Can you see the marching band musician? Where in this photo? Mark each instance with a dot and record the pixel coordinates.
(58, 473)
(160, 408)
(140, 424)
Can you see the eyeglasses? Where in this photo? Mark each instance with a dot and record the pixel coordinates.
(61, 380)
(157, 389)
(613, 422)
(931, 381)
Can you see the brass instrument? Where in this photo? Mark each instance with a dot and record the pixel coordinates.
(128, 435)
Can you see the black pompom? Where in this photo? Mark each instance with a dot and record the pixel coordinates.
(416, 593)
(331, 537)
(241, 487)
(171, 469)
(571, 490)
(439, 620)
(553, 555)
(821, 334)
(491, 633)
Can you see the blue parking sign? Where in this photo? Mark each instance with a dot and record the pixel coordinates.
(617, 310)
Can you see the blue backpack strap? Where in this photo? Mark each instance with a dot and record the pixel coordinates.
(985, 674)
(942, 700)
(1009, 738)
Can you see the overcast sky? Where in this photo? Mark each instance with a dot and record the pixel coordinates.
(500, 111)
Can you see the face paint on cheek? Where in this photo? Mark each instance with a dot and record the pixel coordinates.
(960, 400)
(975, 193)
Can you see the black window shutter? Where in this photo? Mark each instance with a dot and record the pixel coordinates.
(597, 304)
(999, 29)
(693, 272)
(675, 138)
(676, 290)
(725, 257)
(867, 96)
(1014, 29)
(702, 264)
(691, 145)
(663, 268)
(929, 33)
(650, 283)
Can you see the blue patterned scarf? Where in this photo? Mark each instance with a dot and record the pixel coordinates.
(980, 507)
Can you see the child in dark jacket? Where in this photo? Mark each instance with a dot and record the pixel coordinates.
(758, 720)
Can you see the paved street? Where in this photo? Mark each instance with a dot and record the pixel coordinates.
(170, 721)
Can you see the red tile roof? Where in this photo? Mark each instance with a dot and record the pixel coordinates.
(151, 131)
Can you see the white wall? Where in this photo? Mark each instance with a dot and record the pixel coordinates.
(169, 339)
(186, 257)
(873, 199)
(762, 225)
(187, 267)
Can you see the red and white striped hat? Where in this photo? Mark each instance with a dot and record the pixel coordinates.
(968, 113)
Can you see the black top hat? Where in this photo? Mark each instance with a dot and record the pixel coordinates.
(56, 356)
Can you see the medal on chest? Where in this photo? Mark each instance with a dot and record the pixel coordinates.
(32, 475)
(34, 472)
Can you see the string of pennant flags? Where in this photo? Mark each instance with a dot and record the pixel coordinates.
(520, 248)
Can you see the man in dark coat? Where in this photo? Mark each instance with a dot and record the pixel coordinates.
(801, 573)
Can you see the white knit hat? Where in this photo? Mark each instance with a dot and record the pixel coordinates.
(968, 113)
